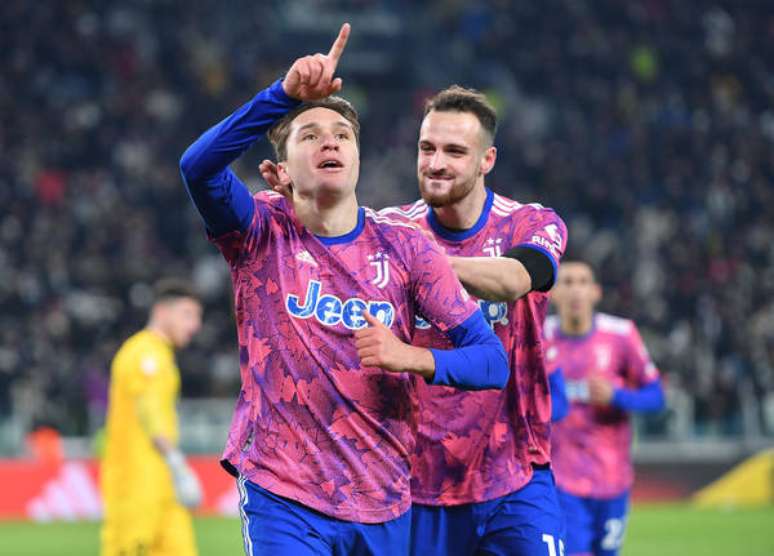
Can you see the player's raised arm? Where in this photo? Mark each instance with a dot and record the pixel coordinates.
(220, 196)
(312, 77)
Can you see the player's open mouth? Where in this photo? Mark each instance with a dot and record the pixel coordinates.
(330, 164)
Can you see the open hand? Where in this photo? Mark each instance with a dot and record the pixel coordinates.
(311, 77)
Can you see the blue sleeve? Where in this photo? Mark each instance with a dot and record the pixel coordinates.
(648, 398)
(221, 197)
(560, 405)
(478, 361)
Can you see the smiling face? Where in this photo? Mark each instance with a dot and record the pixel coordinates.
(454, 154)
(322, 155)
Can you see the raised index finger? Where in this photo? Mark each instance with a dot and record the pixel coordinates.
(338, 45)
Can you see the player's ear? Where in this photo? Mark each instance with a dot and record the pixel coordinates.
(488, 160)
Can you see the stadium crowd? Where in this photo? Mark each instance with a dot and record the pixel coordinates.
(646, 124)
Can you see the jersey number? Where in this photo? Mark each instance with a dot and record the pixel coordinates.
(614, 532)
(552, 544)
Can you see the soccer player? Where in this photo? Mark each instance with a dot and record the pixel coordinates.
(326, 294)
(146, 483)
(481, 479)
(608, 374)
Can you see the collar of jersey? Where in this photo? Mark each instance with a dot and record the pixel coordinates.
(459, 235)
(580, 337)
(349, 236)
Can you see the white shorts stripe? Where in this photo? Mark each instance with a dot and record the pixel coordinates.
(248, 542)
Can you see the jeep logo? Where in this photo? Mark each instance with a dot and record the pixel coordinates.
(329, 310)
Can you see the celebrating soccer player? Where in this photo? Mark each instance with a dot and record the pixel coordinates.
(481, 479)
(326, 295)
(608, 374)
(146, 483)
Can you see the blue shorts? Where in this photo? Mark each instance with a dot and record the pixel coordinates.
(527, 522)
(276, 526)
(594, 525)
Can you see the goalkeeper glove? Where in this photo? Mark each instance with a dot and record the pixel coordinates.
(187, 488)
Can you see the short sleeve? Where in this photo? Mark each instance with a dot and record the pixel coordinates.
(542, 229)
(640, 369)
(438, 294)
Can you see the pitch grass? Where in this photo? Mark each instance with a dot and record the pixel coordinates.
(654, 530)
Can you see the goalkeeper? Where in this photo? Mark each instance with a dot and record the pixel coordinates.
(147, 486)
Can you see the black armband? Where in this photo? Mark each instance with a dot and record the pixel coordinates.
(539, 266)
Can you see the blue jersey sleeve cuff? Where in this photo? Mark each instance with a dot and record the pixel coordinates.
(646, 399)
(478, 361)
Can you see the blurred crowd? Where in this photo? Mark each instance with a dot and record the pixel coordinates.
(648, 125)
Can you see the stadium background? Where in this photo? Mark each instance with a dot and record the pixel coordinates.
(648, 125)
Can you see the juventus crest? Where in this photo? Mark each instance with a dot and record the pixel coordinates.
(493, 247)
(381, 262)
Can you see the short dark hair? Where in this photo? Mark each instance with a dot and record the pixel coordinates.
(461, 99)
(279, 132)
(573, 259)
(168, 289)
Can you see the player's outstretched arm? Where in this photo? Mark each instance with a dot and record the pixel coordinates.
(529, 266)
(493, 278)
(507, 278)
(221, 197)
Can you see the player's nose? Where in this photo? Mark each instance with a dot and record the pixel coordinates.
(437, 162)
(329, 142)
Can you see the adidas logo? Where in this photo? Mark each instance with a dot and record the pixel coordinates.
(71, 494)
(306, 257)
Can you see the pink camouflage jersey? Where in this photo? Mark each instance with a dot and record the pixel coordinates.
(310, 424)
(591, 446)
(477, 446)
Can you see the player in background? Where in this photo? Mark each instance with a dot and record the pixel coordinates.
(608, 375)
(326, 294)
(481, 481)
(147, 487)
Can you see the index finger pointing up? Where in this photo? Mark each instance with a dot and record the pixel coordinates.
(338, 45)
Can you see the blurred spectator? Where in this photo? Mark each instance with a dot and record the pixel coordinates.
(647, 124)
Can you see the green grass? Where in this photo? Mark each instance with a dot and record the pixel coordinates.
(654, 530)
(215, 536)
(672, 530)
